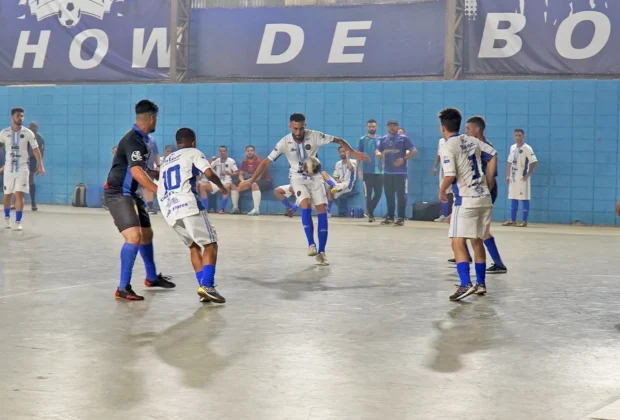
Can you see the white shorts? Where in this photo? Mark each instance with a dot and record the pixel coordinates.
(519, 190)
(470, 223)
(16, 181)
(343, 188)
(287, 190)
(313, 189)
(196, 228)
(215, 189)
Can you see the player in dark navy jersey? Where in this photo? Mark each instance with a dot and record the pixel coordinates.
(127, 207)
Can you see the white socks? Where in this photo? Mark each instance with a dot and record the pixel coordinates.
(256, 197)
(235, 199)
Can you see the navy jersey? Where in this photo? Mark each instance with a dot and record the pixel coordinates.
(132, 151)
(494, 190)
(394, 147)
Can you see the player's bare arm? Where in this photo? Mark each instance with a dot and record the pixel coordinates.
(508, 169)
(530, 171)
(143, 179)
(491, 170)
(435, 164)
(212, 176)
(447, 181)
(362, 157)
(39, 158)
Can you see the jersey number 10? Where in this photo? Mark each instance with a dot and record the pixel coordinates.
(172, 178)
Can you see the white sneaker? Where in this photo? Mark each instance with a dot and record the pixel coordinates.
(254, 212)
(7, 223)
(441, 218)
(329, 215)
(312, 251)
(322, 259)
(19, 226)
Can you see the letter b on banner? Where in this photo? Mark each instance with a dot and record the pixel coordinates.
(493, 33)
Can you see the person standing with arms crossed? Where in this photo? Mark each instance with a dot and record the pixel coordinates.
(372, 172)
(395, 149)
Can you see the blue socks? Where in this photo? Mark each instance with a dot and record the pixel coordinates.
(199, 278)
(128, 257)
(526, 209)
(494, 252)
(20, 213)
(7, 213)
(223, 203)
(147, 253)
(322, 231)
(331, 183)
(514, 207)
(208, 276)
(463, 269)
(306, 220)
(204, 202)
(445, 209)
(481, 271)
(286, 203)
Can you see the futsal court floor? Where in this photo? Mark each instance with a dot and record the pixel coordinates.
(372, 336)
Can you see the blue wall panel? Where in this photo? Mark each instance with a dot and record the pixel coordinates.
(573, 127)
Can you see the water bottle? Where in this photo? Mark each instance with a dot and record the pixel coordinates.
(352, 213)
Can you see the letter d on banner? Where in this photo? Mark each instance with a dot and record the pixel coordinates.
(492, 33)
(265, 53)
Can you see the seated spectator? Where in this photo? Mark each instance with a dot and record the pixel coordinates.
(283, 193)
(344, 177)
(248, 167)
(225, 168)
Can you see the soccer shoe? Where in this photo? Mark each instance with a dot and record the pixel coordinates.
(522, 224)
(463, 292)
(371, 218)
(336, 190)
(235, 211)
(210, 294)
(161, 281)
(322, 259)
(441, 218)
(289, 212)
(19, 226)
(453, 261)
(496, 269)
(34, 207)
(127, 294)
(388, 221)
(254, 213)
(312, 252)
(508, 223)
(204, 300)
(400, 222)
(220, 212)
(7, 223)
(480, 289)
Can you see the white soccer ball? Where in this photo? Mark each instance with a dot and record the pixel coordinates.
(69, 13)
(312, 166)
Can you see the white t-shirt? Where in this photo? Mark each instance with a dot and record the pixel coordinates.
(16, 146)
(176, 190)
(344, 174)
(520, 158)
(220, 169)
(462, 158)
(296, 153)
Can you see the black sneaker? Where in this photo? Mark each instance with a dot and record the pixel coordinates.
(34, 207)
(127, 294)
(388, 221)
(463, 292)
(480, 289)
(161, 281)
(289, 212)
(453, 261)
(496, 269)
(400, 222)
(210, 294)
(371, 218)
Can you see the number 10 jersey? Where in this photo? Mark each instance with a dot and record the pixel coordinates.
(176, 191)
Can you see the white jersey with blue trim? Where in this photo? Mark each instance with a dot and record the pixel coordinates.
(176, 190)
(344, 175)
(462, 158)
(16, 146)
(296, 153)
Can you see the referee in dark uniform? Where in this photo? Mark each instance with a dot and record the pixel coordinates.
(127, 208)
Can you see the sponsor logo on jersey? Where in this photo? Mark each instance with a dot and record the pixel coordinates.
(136, 156)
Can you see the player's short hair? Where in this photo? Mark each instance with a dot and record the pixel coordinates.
(297, 117)
(185, 136)
(371, 121)
(16, 110)
(519, 130)
(451, 119)
(479, 121)
(250, 146)
(223, 146)
(341, 147)
(146, 107)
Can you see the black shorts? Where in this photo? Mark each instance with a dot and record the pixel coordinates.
(127, 211)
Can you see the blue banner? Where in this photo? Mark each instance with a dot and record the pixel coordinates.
(314, 41)
(542, 37)
(48, 41)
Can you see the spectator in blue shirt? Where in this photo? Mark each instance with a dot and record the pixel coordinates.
(395, 150)
(371, 172)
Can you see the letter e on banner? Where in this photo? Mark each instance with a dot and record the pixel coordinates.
(342, 40)
(602, 31)
(265, 52)
(492, 33)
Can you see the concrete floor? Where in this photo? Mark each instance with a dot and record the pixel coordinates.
(373, 336)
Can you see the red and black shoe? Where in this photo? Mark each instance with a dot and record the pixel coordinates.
(127, 294)
(161, 281)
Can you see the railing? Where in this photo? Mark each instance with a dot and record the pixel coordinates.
(206, 4)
